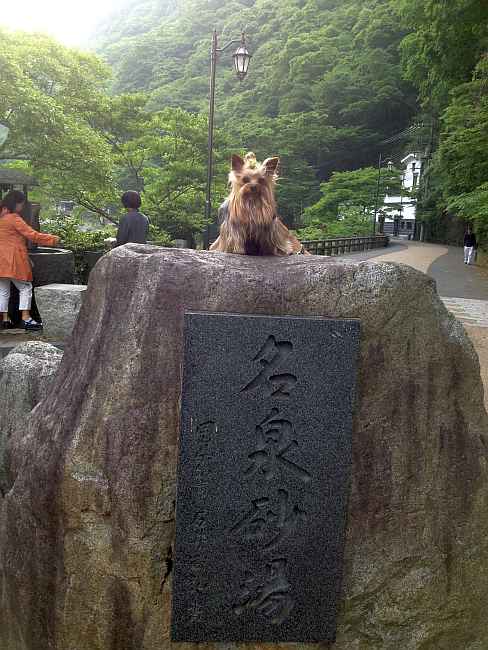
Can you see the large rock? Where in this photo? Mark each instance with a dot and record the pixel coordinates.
(87, 528)
(25, 376)
(59, 305)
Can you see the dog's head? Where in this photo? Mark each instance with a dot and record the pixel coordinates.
(252, 181)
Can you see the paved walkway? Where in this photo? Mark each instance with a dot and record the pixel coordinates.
(458, 280)
(463, 288)
(416, 254)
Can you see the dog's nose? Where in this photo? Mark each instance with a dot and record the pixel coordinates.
(254, 188)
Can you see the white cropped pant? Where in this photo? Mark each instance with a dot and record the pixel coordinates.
(25, 293)
(468, 254)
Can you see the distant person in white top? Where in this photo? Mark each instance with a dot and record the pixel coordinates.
(469, 246)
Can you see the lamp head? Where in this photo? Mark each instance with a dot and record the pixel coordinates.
(241, 59)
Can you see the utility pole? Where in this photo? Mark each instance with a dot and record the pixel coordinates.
(377, 195)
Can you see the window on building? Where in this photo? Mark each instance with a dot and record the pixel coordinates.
(409, 225)
(415, 180)
(403, 225)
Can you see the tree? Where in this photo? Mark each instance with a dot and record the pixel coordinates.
(87, 146)
(445, 42)
(460, 165)
(354, 223)
(48, 97)
(325, 83)
(174, 171)
(356, 189)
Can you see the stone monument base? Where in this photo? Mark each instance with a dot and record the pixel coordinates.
(87, 526)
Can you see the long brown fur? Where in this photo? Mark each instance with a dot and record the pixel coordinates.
(252, 225)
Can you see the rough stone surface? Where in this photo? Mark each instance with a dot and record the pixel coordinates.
(48, 265)
(25, 376)
(263, 477)
(87, 527)
(59, 305)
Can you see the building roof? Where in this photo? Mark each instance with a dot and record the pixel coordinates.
(411, 156)
(403, 200)
(16, 177)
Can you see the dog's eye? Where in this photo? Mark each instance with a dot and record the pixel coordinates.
(262, 180)
(245, 179)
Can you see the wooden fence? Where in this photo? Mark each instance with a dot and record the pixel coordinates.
(343, 245)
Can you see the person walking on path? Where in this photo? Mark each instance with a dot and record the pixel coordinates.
(134, 225)
(15, 266)
(469, 246)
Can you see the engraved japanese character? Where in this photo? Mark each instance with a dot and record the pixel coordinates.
(275, 439)
(200, 527)
(268, 595)
(270, 520)
(204, 431)
(269, 357)
(200, 585)
(195, 611)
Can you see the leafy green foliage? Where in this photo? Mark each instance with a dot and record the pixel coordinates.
(362, 189)
(174, 172)
(75, 239)
(354, 222)
(324, 86)
(461, 162)
(444, 55)
(462, 159)
(84, 145)
(329, 81)
(158, 236)
(48, 97)
(78, 241)
(445, 42)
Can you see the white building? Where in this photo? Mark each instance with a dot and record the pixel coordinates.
(399, 212)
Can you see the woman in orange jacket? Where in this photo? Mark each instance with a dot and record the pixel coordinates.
(14, 258)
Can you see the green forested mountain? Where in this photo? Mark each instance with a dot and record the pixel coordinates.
(329, 81)
(131, 19)
(325, 85)
(331, 84)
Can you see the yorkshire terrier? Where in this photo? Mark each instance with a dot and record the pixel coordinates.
(249, 221)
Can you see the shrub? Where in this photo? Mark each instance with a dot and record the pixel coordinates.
(158, 236)
(77, 240)
(353, 223)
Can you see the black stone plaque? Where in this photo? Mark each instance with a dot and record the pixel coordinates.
(263, 477)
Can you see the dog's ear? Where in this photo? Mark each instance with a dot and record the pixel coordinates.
(271, 166)
(237, 163)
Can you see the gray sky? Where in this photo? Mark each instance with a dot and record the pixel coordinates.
(67, 20)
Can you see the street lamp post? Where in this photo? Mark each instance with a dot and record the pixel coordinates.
(241, 59)
(377, 195)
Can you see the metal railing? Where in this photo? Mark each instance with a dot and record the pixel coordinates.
(342, 245)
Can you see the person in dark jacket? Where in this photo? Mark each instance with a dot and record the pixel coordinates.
(134, 225)
(469, 246)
